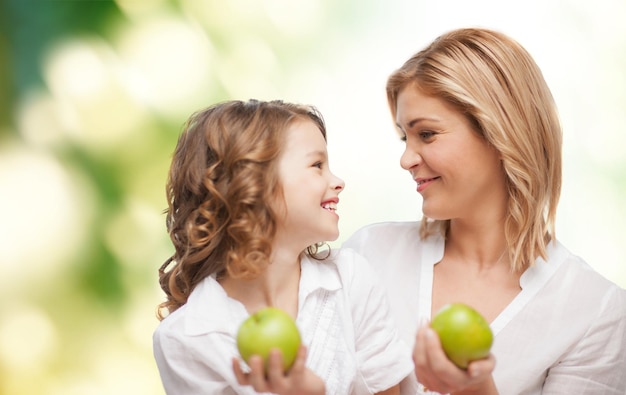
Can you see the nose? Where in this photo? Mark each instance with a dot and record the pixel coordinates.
(410, 158)
(338, 184)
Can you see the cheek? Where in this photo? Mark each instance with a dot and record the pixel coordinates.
(444, 160)
(460, 157)
(277, 203)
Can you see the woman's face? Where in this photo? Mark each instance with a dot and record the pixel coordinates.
(458, 174)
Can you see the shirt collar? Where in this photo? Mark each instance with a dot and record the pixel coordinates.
(535, 275)
(318, 275)
(433, 251)
(210, 309)
(538, 274)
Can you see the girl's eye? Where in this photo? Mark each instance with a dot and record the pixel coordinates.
(318, 165)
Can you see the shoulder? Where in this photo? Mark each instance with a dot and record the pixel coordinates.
(579, 270)
(602, 297)
(396, 245)
(388, 229)
(383, 235)
(568, 322)
(171, 329)
(595, 284)
(352, 271)
(208, 310)
(347, 263)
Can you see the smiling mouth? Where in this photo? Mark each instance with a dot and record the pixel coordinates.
(330, 206)
(420, 182)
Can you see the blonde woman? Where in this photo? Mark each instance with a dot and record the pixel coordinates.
(483, 144)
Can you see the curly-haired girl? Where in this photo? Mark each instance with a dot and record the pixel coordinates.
(251, 199)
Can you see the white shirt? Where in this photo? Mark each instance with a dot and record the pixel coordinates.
(343, 317)
(564, 333)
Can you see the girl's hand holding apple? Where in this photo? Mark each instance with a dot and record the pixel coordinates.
(297, 380)
(269, 341)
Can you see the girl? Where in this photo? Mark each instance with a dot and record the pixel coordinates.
(251, 197)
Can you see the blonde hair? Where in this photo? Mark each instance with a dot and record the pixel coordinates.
(497, 85)
(222, 176)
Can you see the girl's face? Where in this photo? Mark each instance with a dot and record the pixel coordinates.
(310, 189)
(458, 174)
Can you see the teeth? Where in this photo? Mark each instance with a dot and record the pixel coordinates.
(330, 206)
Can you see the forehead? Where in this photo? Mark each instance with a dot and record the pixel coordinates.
(412, 100)
(304, 133)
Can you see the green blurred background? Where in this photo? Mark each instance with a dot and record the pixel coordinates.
(92, 98)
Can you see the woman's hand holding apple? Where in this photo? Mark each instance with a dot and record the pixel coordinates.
(297, 380)
(437, 373)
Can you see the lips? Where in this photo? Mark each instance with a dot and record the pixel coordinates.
(330, 205)
(422, 183)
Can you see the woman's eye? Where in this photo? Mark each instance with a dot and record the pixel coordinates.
(423, 135)
(426, 134)
(318, 165)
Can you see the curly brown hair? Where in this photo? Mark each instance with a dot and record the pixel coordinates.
(223, 174)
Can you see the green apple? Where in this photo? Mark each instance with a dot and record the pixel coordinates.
(465, 335)
(267, 329)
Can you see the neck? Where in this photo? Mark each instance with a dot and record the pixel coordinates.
(276, 286)
(484, 246)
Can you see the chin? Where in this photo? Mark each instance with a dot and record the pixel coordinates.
(433, 213)
(332, 236)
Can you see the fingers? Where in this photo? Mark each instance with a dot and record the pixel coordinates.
(275, 372)
(480, 369)
(298, 366)
(434, 370)
(271, 380)
(275, 379)
(437, 367)
(242, 378)
(435, 356)
(421, 353)
(280, 380)
(256, 377)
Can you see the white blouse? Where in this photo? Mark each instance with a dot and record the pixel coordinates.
(564, 333)
(343, 317)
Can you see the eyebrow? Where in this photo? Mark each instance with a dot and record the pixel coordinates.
(411, 124)
(318, 153)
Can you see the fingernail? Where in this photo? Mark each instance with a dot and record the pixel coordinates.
(475, 373)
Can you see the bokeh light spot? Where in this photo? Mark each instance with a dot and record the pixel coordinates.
(43, 215)
(27, 338)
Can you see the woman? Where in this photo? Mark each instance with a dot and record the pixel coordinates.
(483, 144)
